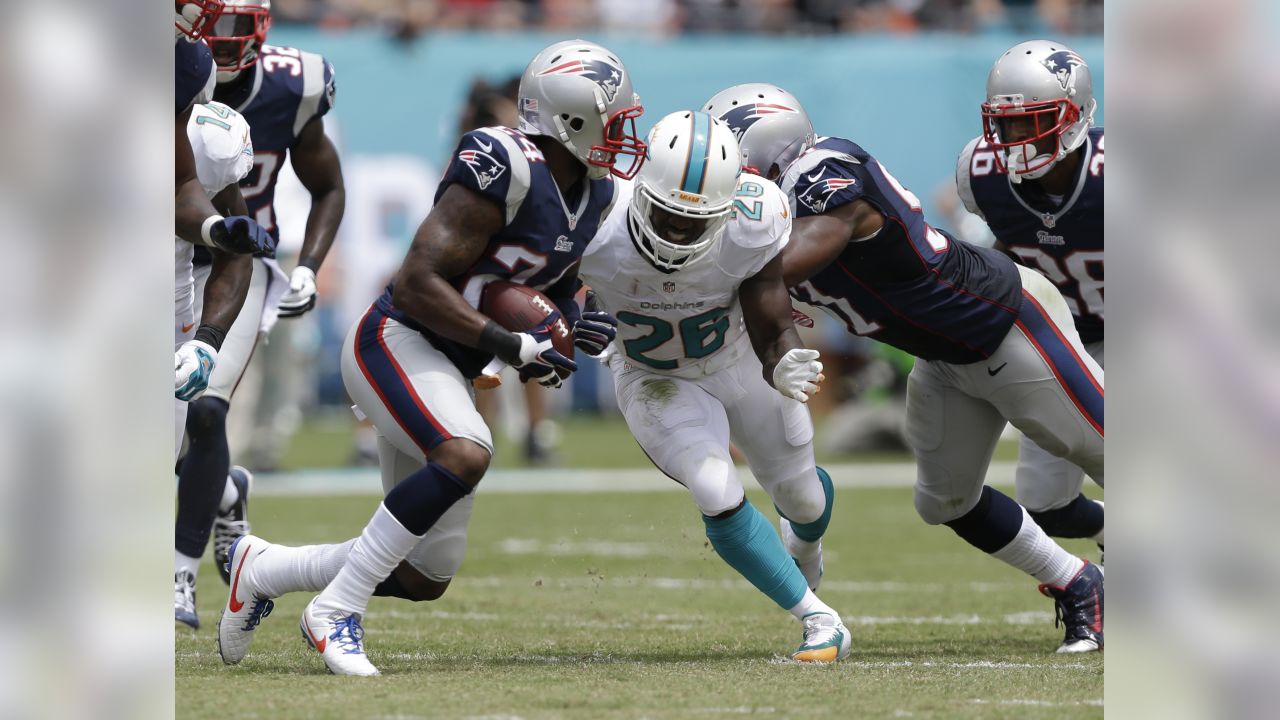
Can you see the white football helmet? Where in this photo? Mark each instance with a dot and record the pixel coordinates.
(684, 193)
(1038, 89)
(771, 126)
(237, 36)
(192, 19)
(580, 94)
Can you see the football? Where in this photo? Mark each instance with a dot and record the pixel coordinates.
(519, 308)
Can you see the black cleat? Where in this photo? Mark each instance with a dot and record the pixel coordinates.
(1078, 606)
(232, 524)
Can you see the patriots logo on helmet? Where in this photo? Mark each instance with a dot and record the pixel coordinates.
(1063, 65)
(483, 166)
(608, 77)
(815, 197)
(741, 118)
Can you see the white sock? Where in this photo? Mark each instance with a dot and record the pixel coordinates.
(229, 496)
(283, 569)
(810, 604)
(378, 550)
(1036, 554)
(185, 562)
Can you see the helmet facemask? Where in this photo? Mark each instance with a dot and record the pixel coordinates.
(237, 37)
(674, 236)
(1018, 132)
(195, 18)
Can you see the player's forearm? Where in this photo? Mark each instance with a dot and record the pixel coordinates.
(194, 215)
(327, 208)
(771, 349)
(225, 292)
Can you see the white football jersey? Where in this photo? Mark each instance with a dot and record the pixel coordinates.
(688, 322)
(224, 155)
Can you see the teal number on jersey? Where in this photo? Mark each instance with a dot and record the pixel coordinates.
(218, 109)
(749, 190)
(700, 335)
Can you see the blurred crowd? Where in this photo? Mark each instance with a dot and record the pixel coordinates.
(408, 18)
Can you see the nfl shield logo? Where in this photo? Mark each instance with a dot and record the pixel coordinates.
(668, 287)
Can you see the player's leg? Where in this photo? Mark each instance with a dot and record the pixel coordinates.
(1049, 487)
(685, 432)
(953, 436)
(184, 581)
(776, 436)
(420, 402)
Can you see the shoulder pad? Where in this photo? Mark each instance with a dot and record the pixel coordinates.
(762, 214)
(492, 162)
(318, 89)
(964, 176)
(221, 145)
(823, 180)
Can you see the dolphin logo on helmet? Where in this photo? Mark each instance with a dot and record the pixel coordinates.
(608, 77)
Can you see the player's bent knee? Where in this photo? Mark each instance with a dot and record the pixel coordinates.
(407, 583)
(465, 458)
(935, 510)
(205, 417)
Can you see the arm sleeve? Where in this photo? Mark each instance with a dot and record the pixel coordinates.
(828, 185)
(964, 178)
(484, 164)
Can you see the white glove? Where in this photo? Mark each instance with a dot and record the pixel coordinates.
(798, 374)
(302, 293)
(192, 365)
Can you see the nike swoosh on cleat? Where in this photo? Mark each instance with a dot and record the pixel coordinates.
(317, 643)
(234, 604)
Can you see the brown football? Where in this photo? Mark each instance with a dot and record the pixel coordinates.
(520, 308)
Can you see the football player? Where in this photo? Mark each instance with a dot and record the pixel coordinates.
(196, 220)
(283, 93)
(516, 205)
(223, 151)
(690, 255)
(994, 341)
(1035, 175)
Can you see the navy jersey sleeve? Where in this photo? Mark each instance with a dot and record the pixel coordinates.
(827, 185)
(192, 72)
(485, 163)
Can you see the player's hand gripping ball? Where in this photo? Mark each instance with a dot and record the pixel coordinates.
(546, 353)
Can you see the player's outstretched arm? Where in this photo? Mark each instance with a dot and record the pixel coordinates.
(817, 240)
(766, 310)
(315, 160)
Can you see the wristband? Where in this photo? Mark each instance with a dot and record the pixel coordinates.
(212, 335)
(502, 343)
(206, 230)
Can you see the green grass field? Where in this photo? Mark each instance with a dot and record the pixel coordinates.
(614, 606)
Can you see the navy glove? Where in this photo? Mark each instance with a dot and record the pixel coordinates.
(538, 359)
(593, 332)
(239, 234)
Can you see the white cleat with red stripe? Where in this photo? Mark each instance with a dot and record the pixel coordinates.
(339, 639)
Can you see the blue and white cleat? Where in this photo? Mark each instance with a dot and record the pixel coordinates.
(246, 606)
(808, 555)
(339, 639)
(826, 639)
(1078, 606)
(234, 523)
(184, 599)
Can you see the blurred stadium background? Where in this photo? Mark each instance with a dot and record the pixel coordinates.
(902, 77)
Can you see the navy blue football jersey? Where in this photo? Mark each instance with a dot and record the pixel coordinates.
(545, 233)
(1061, 238)
(909, 285)
(193, 73)
(288, 89)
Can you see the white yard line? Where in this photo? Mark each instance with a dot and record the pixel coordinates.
(365, 481)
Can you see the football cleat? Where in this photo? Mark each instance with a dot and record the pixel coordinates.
(229, 525)
(826, 639)
(1078, 606)
(808, 556)
(339, 639)
(246, 607)
(184, 599)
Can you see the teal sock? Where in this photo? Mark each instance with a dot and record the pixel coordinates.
(751, 546)
(813, 531)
